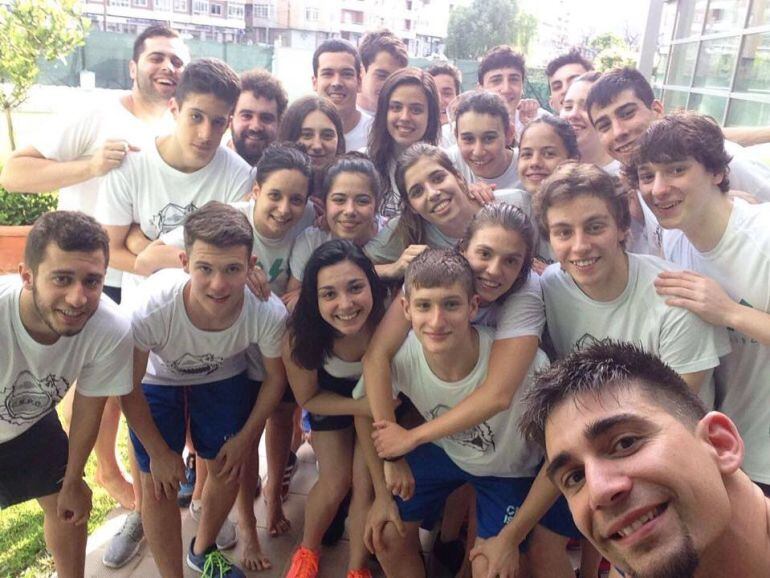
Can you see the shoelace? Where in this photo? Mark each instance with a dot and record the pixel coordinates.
(306, 564)
(131, 526)
(216, 565)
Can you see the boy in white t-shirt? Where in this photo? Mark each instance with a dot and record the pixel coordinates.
(58, 329)
(191, 333)
(682, 170)
(442, 361)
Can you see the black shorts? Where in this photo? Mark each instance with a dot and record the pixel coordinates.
(32, 465)
(113, 293)
(340, 385)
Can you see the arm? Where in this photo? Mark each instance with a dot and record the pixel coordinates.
(74, 500)
(509, 363)
(395, 271)
(136, 242)
(291, 295)
(747, 135)
(120, 257)
(157, 255)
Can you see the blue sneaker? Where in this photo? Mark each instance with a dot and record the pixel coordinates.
(184, 495)
(212, 563)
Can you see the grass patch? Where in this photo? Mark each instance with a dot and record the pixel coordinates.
(22, 545)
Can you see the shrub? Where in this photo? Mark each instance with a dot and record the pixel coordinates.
(24, 208)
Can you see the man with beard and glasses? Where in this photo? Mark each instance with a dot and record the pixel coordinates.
(58, 329)
(257, 114)
(651, 479)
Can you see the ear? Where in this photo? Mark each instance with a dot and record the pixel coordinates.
(132, 70)
(405, 306)
(252, 261)
(255, 190)
(174, 107)
(27, 277)
(315, 84)
(510, 133)
(657, 108)
(185, 260)
(720, 434)
(717, 178)
(474, 307)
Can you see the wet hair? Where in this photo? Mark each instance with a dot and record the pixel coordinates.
(151, 32)
(291, 123)
(572, 179)
(574, 56)
(502, 56)
(220, 225)
(353, 162)
(482, 102)
(382, 40)
(410, 229)
(381, 146)
(68, 230)
(261, 83)
(563, 130)
(284, 156)
(510, 218)
(678, 136)
(612, 83)
(448, 69)
(607, 366)
(312, 338)
(209, 76)
(337, 45)
(439, 268)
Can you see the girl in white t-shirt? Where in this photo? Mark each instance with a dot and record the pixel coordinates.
(341, 302)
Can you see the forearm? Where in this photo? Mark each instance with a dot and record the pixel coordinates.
(157, 255)
(751, 322)
(84, 427)
(747, 135)
(136, 242)
(26, 174)
(270, 394)
(123, 259)
(389, 271)
(377, 380)
(330, 403)
(364, 431)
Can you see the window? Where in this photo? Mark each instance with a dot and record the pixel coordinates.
(200, 7)
(691, 16)
(708, 104)
(120, 3)
(311, 14)
(754, 65)
(726, 18)
(407, 24)
(140, 3)
(216, 9)
(235, 11)
(180, 5)
(682, 63)
(261, 11)
(748, 113)
(162, 5)
(674, 100)
(716, 62)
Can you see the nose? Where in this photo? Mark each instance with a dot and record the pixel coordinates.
(606, 484)
(478, 148)
(659, 185)
(350, 207)
(77, 296)
(493, 267)
(581, 241)
(536, 160)
(284, 206)
(218, 284)
(205, 131)
(618, 128)
(315, 143)
(436, 317)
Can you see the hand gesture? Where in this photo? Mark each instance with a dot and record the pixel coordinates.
(399, 479)
(256, 281)
(109, 156)
(167, 471)
(502, 558)
(391, 440)
(232, 457)
(697, 293)
(383, 511)
(73, 504)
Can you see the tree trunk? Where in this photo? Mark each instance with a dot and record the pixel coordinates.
(9, 123)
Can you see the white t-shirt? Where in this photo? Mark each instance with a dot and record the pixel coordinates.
(748, 173)
(34, 377)
(81, 137)
(639, 315)
(521, 313)
(359, 135)
(740, 263)
(182, 354)
(492, 448)
(508, 180)
(310, 239)
(447, 139)
(272, 254)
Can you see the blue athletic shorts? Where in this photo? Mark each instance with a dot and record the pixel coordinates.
(497, 498)
(217, 411)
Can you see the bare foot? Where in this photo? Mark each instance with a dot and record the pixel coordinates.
(253, 560)
(277, 523)
(118, 487)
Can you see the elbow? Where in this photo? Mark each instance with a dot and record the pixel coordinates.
(143, 265)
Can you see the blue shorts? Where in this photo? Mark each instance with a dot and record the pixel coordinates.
(436, 476)
(216, 411)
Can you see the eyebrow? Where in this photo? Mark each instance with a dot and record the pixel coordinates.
(626, 107)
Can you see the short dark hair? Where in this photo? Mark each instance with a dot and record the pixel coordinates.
(574, 56)
(563, 130)
(439, 268)
(382, 40)
(612, 83)
(572, 179)
(209, 76)
(151, 32)
(448, 69)
(261, 83)
(219, 225)
(502, 56)
(353, 162)
(482, 102)
(312, 338)
(678, 136)
(291, 123)
(336, 45)
(70, 231)
(284, 156)
(606, 366)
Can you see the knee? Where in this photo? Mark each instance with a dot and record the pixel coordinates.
(392, 545)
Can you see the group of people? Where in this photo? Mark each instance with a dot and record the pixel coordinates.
(535, 326)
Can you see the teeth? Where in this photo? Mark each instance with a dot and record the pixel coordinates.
(585, 262)
(489, 284)
(631, 528)
(440, 206)
(347, 317)
(667, 206)
(71, 313)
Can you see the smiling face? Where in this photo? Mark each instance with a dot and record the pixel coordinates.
(280, 202)
(407, 115)
(159, 68)
(351, 208)
(254, 126)
(586, 241)
(496, 255)
(508, 83)
(344, 297)
(433, 192)
(678, 193)
(338, 80)
(447, 92)
(574, 111)
(201, 121)
(482, 140)
(561, 81)
(644, 488)
(383, 65)
(541, 151)
(319, 136)
(622, 122)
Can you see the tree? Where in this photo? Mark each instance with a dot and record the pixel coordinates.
(526, 31)
(31, 30)
(476, 28)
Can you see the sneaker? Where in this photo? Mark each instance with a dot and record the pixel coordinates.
(360, 573)
(184, 495)
(227, 537)
(212, 564)
(304, 564)
(126, 543)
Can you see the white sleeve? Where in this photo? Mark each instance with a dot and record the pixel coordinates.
(689, 344)
(523, 312)
(384, 248)
(111, 372)
(115, 204)
(241, 182)
(74, 140)
(747, 173)
(174, 237)
(271, 326)
(300, 255)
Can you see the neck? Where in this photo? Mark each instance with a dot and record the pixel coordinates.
(203, 320)
(457, 226)
(352, 347)
(349, 118)
(32, 322)
(143, 109)
(456, 364)
(595, 154)
(710, 228)
(366, 104)
(612, 288)
(505, 163)
(171, 153)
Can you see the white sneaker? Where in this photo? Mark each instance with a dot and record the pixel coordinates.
(227, 536)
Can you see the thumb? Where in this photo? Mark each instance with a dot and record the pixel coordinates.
(380, 424)
(134, 148)
(475, 551)
(400, 527)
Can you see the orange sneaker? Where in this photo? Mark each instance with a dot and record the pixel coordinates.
(360, 573)
(304, 564)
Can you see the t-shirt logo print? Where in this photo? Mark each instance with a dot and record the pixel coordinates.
(190, 364)
(170, 217)
(479, 437)
(29, 398)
